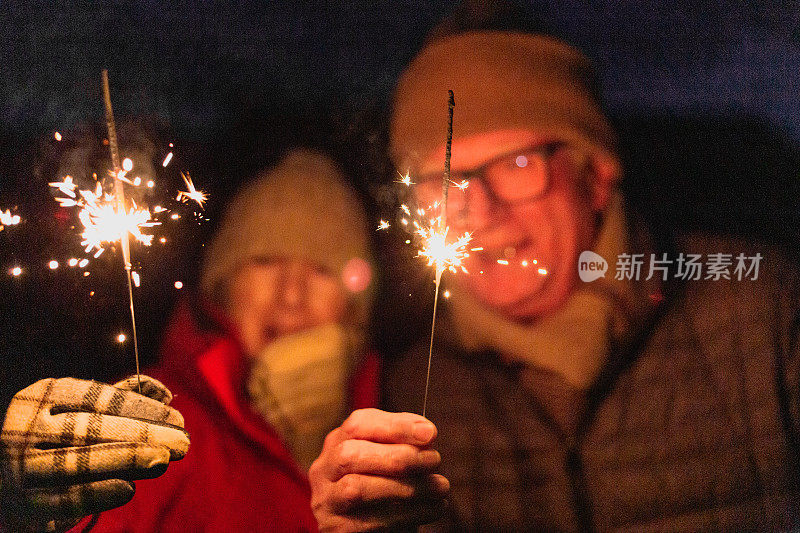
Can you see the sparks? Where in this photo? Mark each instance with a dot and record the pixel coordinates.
(167, 160)
(405, 180)
(7, 219)
(66, 187)
(441, 255)
(192, 194)
(178, 285)
(16, 271)
(103, 223)
(57, 136)
(383, 225)
(461, 185)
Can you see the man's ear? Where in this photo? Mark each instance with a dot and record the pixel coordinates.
(605, 173)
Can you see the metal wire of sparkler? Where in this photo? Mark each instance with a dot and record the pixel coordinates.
(119, 195)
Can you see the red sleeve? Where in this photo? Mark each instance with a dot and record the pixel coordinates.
(364, 390)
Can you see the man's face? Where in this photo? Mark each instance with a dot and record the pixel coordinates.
(269, 299)
(524, 227)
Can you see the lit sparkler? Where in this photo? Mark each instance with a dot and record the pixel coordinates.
(108, 217)
(431, 231)
(434, 248)
(119, 198)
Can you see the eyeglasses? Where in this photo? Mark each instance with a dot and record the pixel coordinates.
(511, 178)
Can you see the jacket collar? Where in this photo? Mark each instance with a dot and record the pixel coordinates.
(202, 356)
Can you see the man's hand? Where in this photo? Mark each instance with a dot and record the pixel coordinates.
(377, 471)
(71, 447)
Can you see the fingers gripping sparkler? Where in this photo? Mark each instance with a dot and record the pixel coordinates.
(119, 196)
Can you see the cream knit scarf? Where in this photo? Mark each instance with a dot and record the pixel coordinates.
(575, 340)
(298, 383)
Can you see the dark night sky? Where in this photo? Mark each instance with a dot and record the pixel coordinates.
(189, 63)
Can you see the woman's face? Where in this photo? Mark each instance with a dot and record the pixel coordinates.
(270, 298)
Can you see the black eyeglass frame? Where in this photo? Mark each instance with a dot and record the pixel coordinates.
(479, 173)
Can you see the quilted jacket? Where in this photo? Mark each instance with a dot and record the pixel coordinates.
(692, 426)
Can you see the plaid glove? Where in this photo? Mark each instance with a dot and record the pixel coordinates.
(71, 448)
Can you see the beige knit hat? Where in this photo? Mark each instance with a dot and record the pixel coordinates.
(501, 80)
(302, 208)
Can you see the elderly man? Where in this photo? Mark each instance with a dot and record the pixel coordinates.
(650, 400)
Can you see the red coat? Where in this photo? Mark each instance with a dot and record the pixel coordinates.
(238, 474)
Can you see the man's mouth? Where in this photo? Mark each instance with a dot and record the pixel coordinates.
(503, 253)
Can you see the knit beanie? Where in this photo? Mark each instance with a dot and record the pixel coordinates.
(302, 208)
(501, 80)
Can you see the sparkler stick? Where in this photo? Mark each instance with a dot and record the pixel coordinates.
(440, 267)
(119, 196)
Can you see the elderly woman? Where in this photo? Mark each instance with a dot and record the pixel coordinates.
(267, 358)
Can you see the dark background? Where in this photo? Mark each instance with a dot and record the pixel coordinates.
(704, 95)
